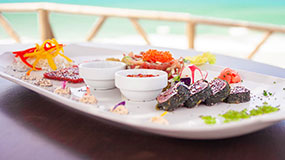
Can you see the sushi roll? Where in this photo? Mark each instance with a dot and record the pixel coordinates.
(173, 98)
(220, 91)
(199, 92)
(238, 94)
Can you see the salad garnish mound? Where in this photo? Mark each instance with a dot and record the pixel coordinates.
(154, 59)
(42, 56)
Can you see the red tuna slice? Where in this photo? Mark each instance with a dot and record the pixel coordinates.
(70, 74)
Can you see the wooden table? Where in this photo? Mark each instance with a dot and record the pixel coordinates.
(34, 127)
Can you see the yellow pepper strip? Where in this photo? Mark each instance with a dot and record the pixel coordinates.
(163, 114)
(51, 62)
(34, 65)
(68, 59)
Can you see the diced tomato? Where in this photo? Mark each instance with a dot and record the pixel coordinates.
(228, 78)
(236, 78)
(230, 75)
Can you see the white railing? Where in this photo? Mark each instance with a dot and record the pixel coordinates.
(134, 16)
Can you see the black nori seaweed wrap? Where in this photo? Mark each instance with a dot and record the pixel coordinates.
(199, 92)
(173, 98)
(238, 94)
(220, 91)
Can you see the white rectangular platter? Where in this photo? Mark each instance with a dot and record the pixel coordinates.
(183, 122)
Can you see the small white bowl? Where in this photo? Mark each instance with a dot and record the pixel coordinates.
(100, 74)
(141, 88)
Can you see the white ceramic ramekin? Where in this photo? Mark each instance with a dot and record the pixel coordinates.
(100, 74)
(141, 88)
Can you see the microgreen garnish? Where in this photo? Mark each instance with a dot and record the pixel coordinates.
(176, 78)
(267, 93)
(186, 61)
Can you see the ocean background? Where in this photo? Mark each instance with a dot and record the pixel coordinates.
(76, 27)
(230, 41)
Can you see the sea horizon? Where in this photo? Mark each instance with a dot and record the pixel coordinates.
(78, 26)
(233, 41)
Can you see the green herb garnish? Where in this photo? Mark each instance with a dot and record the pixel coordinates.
(263, 110)
(127, 60)
(176, 78)
(209, 119)
(274, 82)
(186, 61)
(265, 93)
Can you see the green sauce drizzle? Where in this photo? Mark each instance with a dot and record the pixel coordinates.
(263, 110)
(232, 115)
(209, 119)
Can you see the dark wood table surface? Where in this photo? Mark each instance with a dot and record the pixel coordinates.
(35, 127)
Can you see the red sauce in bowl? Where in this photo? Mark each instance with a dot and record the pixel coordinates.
(142, 75)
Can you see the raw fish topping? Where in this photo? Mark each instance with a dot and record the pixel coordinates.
(153, 59)
(70, 74)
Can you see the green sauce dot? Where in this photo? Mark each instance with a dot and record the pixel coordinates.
(209, 119)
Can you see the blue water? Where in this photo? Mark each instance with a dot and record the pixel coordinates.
(77, 26)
